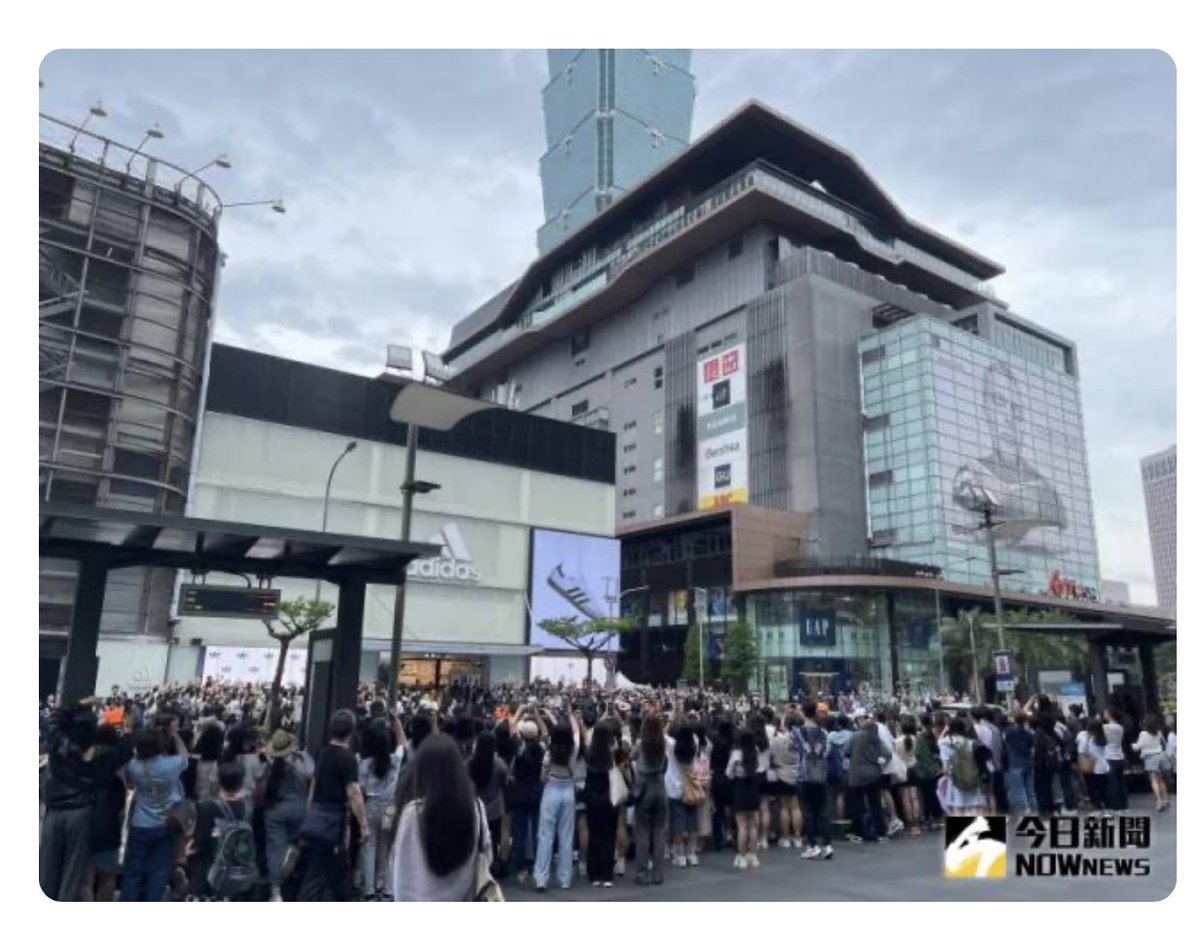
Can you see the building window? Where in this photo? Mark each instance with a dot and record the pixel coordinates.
(658, 422)
(580, 342)
(658, 374)
(658, 469)
(882, 478)
(685, 275)
(632, 468)
(629, 426)
(629, 492)
(629, 448)
(579, 408)
(658, 511)
(735, 247)
(877, 423)
(631, 381)
(873, 355)
(632, 513)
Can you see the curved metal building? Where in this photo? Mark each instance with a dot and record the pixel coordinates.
(128, 262)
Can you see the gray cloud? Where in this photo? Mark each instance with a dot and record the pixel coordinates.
(413, 195)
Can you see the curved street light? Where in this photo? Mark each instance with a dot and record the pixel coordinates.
(276, 204)
(153, 133)
(96, 110)
(221, 161)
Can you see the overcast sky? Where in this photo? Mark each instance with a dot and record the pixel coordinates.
(412, 195)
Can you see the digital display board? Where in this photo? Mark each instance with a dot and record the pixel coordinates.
(233, 602)
(572, 575)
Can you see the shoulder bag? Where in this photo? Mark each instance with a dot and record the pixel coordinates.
(486, 888)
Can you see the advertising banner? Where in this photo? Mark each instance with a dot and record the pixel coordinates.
(573, 576)
(234, 664)
(722, 455)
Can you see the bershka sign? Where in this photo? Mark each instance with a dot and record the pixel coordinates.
(722, 473)
(454, 565)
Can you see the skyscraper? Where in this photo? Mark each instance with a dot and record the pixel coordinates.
(1158, 483)
(612, 117)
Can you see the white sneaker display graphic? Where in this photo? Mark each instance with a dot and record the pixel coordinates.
(575, 590)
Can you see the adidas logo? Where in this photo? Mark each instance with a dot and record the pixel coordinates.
(455, 562)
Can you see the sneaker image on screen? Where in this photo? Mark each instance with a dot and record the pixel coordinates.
(575, 591)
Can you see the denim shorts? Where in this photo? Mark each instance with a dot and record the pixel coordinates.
(684, 819)
(1153, 763)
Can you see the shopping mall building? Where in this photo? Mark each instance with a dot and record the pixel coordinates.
(813, 397)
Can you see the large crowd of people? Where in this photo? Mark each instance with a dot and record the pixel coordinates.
(184, 792)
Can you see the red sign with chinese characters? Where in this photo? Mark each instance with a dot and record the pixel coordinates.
(729, 363)
(712, 370)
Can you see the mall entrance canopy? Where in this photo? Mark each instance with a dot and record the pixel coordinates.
(109, 539)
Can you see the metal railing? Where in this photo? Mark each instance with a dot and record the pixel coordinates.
(162, 178)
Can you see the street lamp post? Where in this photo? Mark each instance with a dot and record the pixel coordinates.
(153, 133)
(418, 405)
(700, 625)
(276, 204)
(328, 486)
(96, 110)
(221, 161)
(617, 601)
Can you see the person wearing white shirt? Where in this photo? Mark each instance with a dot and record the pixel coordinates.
(1151, 745)
(1093, 765)
(1114, 737)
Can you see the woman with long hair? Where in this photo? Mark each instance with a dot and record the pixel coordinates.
(757, 724)
(905, 749)
(928, 771)
(149, 848)
(489, 774)
(721, 788)
(598, 805)
(556, 818)
(1150, 744)
(207, 752)
(1093, 765)
(650, 795)
(526, 798)
(685, 816)
(285, 802)
(746, 770)
(441, 830)
(1114, 751)
(378, 771)
(785, 768)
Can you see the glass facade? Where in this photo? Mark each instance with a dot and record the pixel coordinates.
(833, 641)
(949, 418)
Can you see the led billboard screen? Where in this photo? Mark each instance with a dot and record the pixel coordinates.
(572, 575)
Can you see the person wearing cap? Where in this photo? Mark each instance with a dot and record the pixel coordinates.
(285, 793)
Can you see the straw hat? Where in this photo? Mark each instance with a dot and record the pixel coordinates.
(282, 743)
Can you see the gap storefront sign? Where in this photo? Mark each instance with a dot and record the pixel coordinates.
(722, 474)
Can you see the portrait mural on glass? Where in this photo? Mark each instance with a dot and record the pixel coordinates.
(1027, 507)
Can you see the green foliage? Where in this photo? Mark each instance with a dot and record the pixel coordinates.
(741, 655)
(691, 654)
(588, 636)
(298, 617)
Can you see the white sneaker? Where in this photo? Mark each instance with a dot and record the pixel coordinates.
(741, 861)
(811, 852)
(896, 827)
(785, 843)
(762, 844)
(693, 860)
(828, 853)
(619, 870)
(753, 860)
(680, 861)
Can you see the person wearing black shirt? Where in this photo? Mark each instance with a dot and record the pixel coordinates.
(202, 849)
(108, 815)
(335, 789)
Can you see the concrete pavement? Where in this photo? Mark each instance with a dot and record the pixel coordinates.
(907, 868)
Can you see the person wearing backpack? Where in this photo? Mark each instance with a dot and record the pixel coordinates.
(221, 853)
(1047, 763)
(866, 756)
(812, 745)
(963, 795)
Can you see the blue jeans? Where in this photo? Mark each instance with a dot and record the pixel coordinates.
(1021, 798)
(282, 824)
(148, 854)
(556, 821)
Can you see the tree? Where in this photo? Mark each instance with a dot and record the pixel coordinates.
(691, 654)
(589, 637)
(741, 655)
(296, 617)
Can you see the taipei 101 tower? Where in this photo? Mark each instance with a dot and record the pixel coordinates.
(613, 116)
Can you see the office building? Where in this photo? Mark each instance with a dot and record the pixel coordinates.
(812, 395)
(612, 117)
(1158, 485)
(1115, 591)
(524, 512)
(127, 263)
